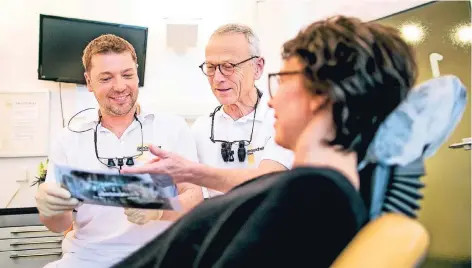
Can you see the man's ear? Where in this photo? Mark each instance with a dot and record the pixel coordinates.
(259, 64)
(87, 81)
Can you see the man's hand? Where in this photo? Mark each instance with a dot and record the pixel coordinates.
(143, 216)
(52, 200)
(165, 162)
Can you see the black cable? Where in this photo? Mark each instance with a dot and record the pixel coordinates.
(95, 140)
(78, 131)
(212, 135)
(226, 151)
(119, 159)
(60, 101)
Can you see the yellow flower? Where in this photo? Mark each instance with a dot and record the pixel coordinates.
(42, 170)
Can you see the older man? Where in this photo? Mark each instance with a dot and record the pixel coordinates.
(236, 141)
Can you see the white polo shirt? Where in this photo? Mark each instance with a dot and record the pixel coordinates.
(102, 235)
(225, 128)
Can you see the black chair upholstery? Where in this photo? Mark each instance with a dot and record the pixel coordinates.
(392, 188)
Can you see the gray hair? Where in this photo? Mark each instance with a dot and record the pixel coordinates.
(235, 28)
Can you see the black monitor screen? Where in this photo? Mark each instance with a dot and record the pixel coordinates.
(63, 40)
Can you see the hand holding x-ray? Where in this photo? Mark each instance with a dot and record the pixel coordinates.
(111, 189)
(143, 216)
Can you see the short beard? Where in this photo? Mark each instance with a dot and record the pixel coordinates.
(123, 110)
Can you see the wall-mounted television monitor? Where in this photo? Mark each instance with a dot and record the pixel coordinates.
(63, 40)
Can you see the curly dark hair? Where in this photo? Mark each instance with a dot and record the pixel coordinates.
(365, 68)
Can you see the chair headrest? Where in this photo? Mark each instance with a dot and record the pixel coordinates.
(420, 124)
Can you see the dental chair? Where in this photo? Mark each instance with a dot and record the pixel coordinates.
(391, 171)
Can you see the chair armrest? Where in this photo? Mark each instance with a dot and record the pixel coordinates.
(392, 240)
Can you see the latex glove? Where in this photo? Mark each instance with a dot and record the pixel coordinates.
(52, 200)
(143, 216)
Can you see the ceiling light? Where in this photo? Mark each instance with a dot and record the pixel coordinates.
(462, 34)
(413, 32)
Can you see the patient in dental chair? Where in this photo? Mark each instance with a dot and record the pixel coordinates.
(339, 80)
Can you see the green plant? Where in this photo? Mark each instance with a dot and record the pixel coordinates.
(42, 172)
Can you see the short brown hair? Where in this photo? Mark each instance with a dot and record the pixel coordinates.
(366, 69)
(105, 44)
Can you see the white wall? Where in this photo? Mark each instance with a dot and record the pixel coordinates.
(280, 20)
(173, 82)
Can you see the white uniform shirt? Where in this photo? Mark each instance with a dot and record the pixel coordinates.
(102, 235)
(225, 128)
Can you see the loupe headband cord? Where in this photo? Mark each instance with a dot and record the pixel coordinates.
(212, 134)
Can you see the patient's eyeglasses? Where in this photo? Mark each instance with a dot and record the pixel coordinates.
(275, 81)
(226, 68)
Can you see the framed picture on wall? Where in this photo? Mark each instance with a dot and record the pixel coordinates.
(25, 120)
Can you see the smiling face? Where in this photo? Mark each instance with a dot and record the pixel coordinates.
(232, 48)
(113, 79)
